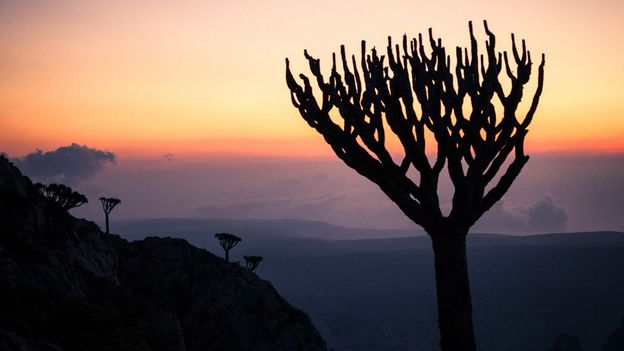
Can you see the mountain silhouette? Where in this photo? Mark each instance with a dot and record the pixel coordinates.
(65, 285)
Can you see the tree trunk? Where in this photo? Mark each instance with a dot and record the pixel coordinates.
(453, 292)
(227, 255)
(106, 215)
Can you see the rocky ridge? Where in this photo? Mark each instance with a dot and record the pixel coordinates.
(65, 285)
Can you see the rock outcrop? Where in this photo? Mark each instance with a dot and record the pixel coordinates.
(65, 285)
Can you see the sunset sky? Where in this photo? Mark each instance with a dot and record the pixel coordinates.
(145, 78)
(203, 81)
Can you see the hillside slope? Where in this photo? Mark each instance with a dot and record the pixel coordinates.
(64, 285)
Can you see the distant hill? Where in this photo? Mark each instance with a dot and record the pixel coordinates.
(282, 236)
(378, 294)
(276, 237)
(294, 228)
(608, 238)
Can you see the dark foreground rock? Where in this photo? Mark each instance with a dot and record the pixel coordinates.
(64, 285)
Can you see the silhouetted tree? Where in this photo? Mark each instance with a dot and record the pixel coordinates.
(472, 139)
(227, 241)
(62, 195)
(108, 203)
(615, 342)
(252, 262)
(565, 342)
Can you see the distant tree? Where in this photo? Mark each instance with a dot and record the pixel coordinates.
(252, 262)
(108, 203)
(615, 342)
(565, 342)
(62, 195)
(472, 141)
(227, 241)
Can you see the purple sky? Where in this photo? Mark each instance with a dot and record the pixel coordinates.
(554, 193)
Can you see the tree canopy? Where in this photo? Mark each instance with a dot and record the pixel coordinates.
(422, 99)
(62, 195)
(227, 242)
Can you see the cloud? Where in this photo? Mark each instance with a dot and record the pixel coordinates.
(286, 193)
(168, 157)
(67, 164)
(544, 215)
(304, 208)
(366, 209)
(502, 218)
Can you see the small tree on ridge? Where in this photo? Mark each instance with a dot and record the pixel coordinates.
(62, 195)
(227, 241)
(252, 262)
(108, 203)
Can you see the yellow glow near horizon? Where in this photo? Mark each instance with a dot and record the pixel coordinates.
(191, 77)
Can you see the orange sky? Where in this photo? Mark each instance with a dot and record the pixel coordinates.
(145, 78)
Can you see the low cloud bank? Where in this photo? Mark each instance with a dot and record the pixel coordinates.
(556, 193)
(544, 215)
(67, 164)
(317, 196)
